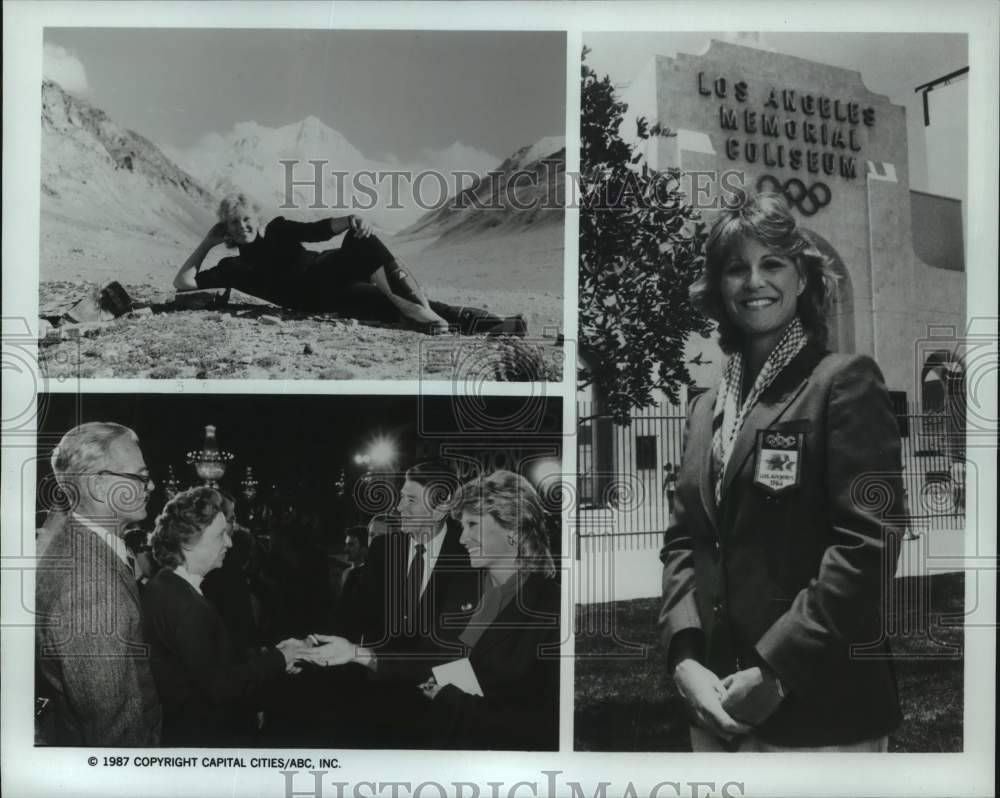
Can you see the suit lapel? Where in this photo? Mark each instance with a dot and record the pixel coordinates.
(129, 580)
(102, 552)
(449, 558)
(502, 626)
(770, 408)
(516, 616)
(701, 430)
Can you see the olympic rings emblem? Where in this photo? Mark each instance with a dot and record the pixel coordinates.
(806, 200)
(779, 441)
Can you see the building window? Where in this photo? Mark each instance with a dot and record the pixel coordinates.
(645, 452)
(585, 464)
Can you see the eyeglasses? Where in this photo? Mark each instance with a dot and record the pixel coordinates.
(146, 479)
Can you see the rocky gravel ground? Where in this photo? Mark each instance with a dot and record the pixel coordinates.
(249, 339)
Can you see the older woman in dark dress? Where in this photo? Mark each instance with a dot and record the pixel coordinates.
(206, 685)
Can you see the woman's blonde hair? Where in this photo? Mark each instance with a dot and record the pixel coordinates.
(766, 218)
(231, 205)
(515, 505)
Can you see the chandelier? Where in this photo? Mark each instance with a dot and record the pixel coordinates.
(249, 485)
(210, 461)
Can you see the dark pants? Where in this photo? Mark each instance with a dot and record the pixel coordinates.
(338, 282)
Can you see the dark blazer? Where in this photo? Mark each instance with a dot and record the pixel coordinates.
(407, 646)
(351, 610)
(516, 661)
(796, 578)
(205, 684)
(93, 660)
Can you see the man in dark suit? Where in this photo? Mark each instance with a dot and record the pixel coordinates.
(93, 661)
(421, 591)
(349, 618)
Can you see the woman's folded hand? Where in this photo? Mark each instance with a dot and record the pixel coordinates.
(360, 227)
(430, 688)
(703, 691)
(752, 695)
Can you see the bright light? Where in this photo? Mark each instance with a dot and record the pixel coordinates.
(545, 473)
(382, 452)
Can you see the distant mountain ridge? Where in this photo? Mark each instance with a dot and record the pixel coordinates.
(526, 191)
(91, 162)
(98, 175)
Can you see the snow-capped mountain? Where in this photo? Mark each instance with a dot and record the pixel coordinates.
(250, 158)
(526, 191)
(99, 172)
(96, 174)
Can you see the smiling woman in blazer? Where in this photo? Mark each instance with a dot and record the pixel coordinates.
(512, 639)
(781, 549)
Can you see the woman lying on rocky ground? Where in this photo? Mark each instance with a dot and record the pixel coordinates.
(361, 279)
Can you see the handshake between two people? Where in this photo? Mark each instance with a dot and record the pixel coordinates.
(322, 650)
(732, 706)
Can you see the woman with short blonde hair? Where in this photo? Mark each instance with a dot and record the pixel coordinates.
(512, 638)
(359, 279)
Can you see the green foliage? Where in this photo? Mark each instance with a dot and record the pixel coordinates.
(641, 246)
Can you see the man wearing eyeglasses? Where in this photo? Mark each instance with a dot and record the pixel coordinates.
(92, 658)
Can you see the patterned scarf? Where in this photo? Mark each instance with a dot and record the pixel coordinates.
(728, 415)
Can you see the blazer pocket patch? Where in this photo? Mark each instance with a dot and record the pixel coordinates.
(778, 460)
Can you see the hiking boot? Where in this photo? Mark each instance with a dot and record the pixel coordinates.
(512, 325)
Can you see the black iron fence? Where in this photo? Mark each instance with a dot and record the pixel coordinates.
(933, 467)
(626, 474)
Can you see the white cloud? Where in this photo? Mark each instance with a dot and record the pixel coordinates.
(60, 65)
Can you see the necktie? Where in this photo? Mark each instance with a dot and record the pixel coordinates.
(136, 577)
(414, 582)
